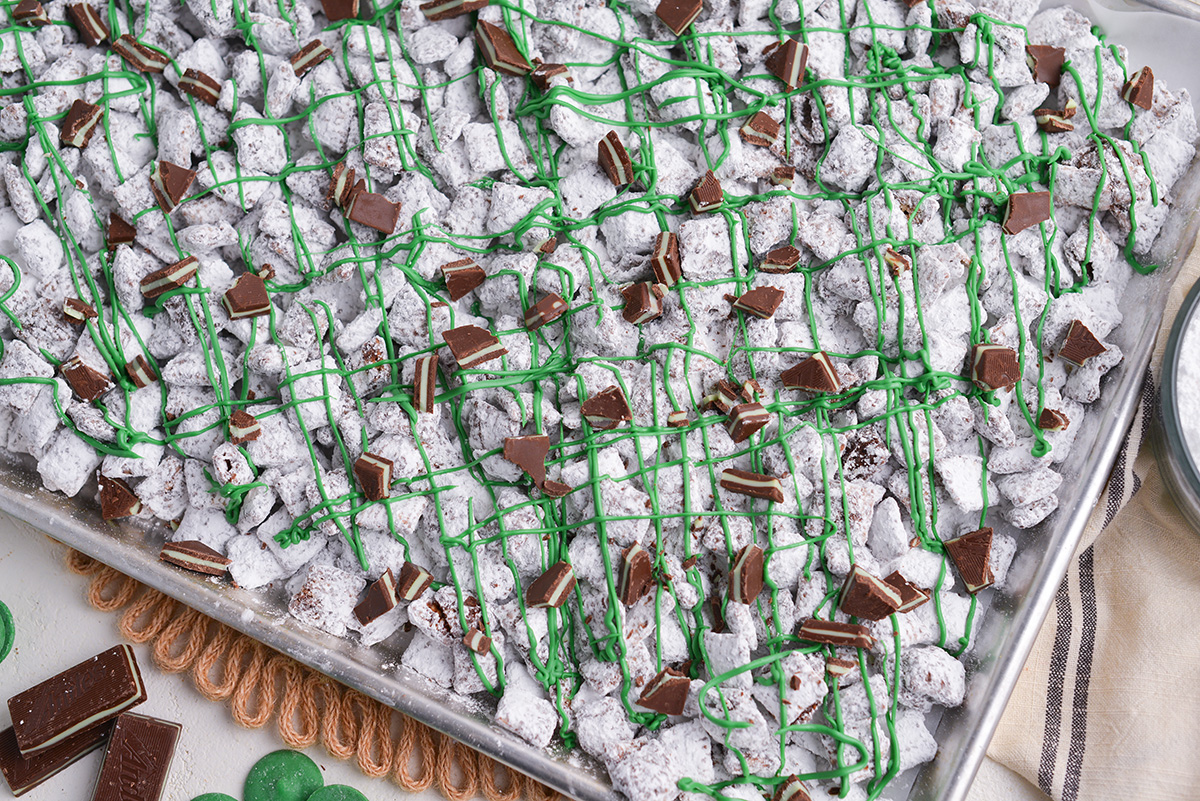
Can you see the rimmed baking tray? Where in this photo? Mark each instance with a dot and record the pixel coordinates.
(1003, 640)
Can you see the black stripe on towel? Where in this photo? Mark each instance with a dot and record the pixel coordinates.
(1083, 676)
(1054, 687)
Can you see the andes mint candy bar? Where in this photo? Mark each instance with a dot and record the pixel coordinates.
(867, 596)
(425, 383)
(499, 50)
(91, 28)
(81, 122)
(666, 693)
(780, 260)
(614, 160)
(994, 367)
(543, 74)
(477, 641)
(309, 56)
(840, 667)
(413, 581)
(119, 231)
(911, 596)
(547, 246)
(473, 346)
(137, 760)
(552, 588)
(374, 474)
(196, 556)
(745, 419)
(1052, 420)
(448, 9)
(830, 632)
(141, 57)
(1139, 89)
(529, 454)
(556, 489)
(86, 382)
(78, 312)
(337, 10)
(761, 130)
(725, 396)
(24, 773)
(756, 485)
(1026, 209)
(243, 427)
(677, 419)
(783, 176)
(746, 574)
(380, 599)
(31, 13)
(708, 195)
(787, 62)
(462, 276)
(1080, 344)
(792, 789)
(170, 183)
(1052, 120)
(1046, 63)
(897, 263)
(816, 373)
(665, 259)
(247, 298)
(171, 277)
(678, 15)
(972, 555)
(341, 185)
(607, 409)
(117, 499)
(200, 86)
(643, 302)
(86, 695)
(546, 310)
(372, 210)
(761, 301)
(636, 576)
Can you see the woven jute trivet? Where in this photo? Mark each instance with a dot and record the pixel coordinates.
(308, 707)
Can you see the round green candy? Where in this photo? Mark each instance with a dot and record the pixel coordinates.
(283, 776)
(337, 792)
(214, 797)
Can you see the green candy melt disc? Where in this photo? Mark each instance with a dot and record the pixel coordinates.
(283, 776)
(214, 797)
(337, 792)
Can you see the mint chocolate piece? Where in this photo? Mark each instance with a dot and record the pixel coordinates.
(972, 555)
(374, 474)
(196, 556)
(792, 788)
(462, 276)
(31, 13)
(761, 130)
(90, 27)
(994, 367)
(170, 183)
(1026, 209)
(762, 301)
(139, 56)
(867, 596)
(1052, 420)
(243, 427)
(607, 409)
(783, 176)
(551, 589)
(138, 758)
(140, 372)
(678, 15)
(911, 596)
(117, 499)
(614, 160)
(815, 373)
(24, 773)
(119, 231)
(745, 419)
(708, 195)
(787, 62)
(91, 693)
(201, 86)
(636, 575)
(543, 73)
(546, 310)
(665, 259)
(780, 260)
(372, 210)
(169, 278)
(1046, 63)
(77, 312)
(413, 581)
(529, 454)
(309, 56)
(643, 303)
(1080, 344)
(341, 185)
(666, 693)
(746, 575)
(499, 51)
(425, 383)
(756, 485)
(81, 122)
(1139, 89)
(477, 641)
(473, 346)
(448, 9)
(380, 599)
(336, 10)
(247, 298)
(830, 632)
(86, 382)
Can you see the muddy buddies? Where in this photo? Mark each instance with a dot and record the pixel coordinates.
(678, 379)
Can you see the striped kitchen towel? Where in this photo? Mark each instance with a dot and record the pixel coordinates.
(1108, 705)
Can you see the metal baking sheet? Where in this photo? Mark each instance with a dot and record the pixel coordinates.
(1003, 641)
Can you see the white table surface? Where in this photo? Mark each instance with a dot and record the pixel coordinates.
(56, 628)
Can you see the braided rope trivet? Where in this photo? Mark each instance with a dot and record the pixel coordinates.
(260, 683)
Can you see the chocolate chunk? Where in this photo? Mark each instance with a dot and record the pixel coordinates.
(140, 372)
(1080, 344)
(373, 210)
(337, 10)
(1052, 420)
(665, 259)
(607, 409)
(247, 298)
(792, 789)
(309, 56)
(447, 9)
(840, 667)
(972, 555)
(746, 419)
(243, 427)
(86, 695)
(137, 760)
(499, 50)
(552, 588)
(1139, 89)
(787, 61)
(413, 581)
(169, 278)
(780, 260)
(195, 556)
(994, 367)
(543, 73)
(867, 596)
(643, 303)
(746, 575)
(756, 485)
(477, 641)
(341, 185)
(815, 373)
(425, 383)
(24, 773)
(170, 183)
(81, 122)
(77, 312)
(201, 86)
(830, 632)
(546, 310)
(761, 130)
(614, 160)
(1046, 63)
(724, 396)
(374, 474)
(117, 499)
(762, 301)
(783, 176)
(1053, 120)
(1026, 209)
(380, 599)
(677, 419)
(86, 382)
(141, 57)
(636, 575)
(707, 196)
(546, 246)
(119, 231)
(666, 693)
(462, 276)
(473, 346)
(88, 23)
(529, 454)
(556, 489)
(678, 14)
(911, 596)
(31, 13)
(897, 263)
